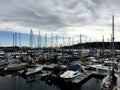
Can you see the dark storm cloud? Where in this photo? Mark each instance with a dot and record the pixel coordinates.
(56, 14)
(43, 12)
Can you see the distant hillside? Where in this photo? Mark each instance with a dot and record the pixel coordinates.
(105, 45)
(98, 45)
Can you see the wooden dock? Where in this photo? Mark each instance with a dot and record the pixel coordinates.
(85, 77)
(81, 78)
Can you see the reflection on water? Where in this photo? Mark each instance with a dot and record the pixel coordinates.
(92, 84)
(16, 82)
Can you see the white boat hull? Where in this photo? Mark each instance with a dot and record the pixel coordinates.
(36, 70)
(106, 83)
(70, 75)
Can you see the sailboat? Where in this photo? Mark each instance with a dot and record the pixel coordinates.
(112, 80)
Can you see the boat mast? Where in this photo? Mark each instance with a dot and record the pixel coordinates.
(31, 38)
(13, 39)
(103, 47)
(113, 46)
(19, 39)
(69, 45)
(80, 42)
(51, 40)
(56, 41)
(38, 40)
(45, 41)
(80, 46)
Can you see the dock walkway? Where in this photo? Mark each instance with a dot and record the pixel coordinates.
(86, 76)
(81, 78)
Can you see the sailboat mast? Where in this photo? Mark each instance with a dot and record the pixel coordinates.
(69, 44)
(31, 38)
(13, 39)
(113, 46)
(80, 40)
(19, 39)
(51, 40)
(103, 46)
(39, 41)
(45, 40)
(56, 40)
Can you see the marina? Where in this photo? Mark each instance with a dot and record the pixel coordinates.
(34, 83)
(60, 73)
(59, 45)
(49, 73)
(56, 73)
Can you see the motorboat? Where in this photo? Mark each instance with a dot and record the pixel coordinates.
(45, 73)
(15, 66)
(69, 75)
(105, 67)
(72, 72)
(30, 71)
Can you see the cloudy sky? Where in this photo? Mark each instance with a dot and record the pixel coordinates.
(69, 18)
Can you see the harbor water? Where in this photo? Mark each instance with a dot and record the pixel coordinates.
(34, 82)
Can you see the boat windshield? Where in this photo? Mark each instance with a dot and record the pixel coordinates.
(107, 64)
(74, 67)
(75, 73)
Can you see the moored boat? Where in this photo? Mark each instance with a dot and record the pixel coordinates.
(30, 71)
(72, 72)
(15, 67)
(111, 82)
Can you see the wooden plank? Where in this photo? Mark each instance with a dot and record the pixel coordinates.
(81, 78)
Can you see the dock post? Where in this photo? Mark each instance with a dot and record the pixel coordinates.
(97, 69)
